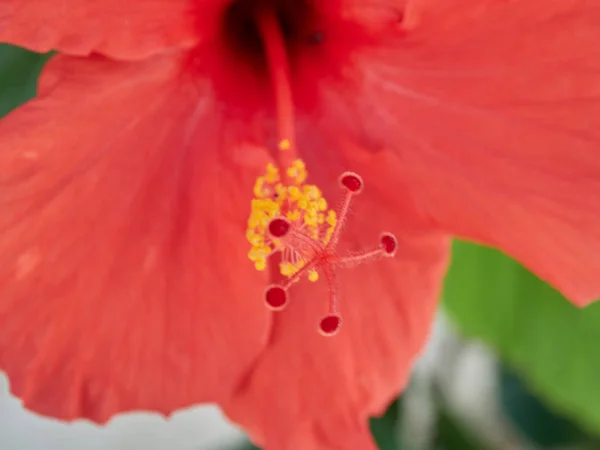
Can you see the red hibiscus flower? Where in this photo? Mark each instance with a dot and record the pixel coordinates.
(175, 169)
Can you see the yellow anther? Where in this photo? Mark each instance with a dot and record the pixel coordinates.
(272, 173)
(299, 171)
(303, 204)
(310, 220)
(294, 192)
(312, 192)
(301, 178)
(281, 191)
(322, 204)
(284, 144)
(287, 269)
(258, 186)
(255, 254)
(331, 218)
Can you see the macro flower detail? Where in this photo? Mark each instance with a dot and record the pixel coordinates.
(303, 204)
(173, 145)
(290, 218)
(294, 222)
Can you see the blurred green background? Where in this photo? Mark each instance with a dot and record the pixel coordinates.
(546, 366)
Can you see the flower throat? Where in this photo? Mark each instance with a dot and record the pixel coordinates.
(242, 28)
(290, 222)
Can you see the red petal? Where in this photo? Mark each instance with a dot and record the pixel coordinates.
(312, 392)
(493, 111)
(124, 282)
(122, 29)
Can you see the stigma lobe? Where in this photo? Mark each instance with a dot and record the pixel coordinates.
(276, 298)
(352, 182)
(279, 227)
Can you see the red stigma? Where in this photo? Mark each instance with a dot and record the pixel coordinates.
(352, 181)
(389, 243)
(276, 297)
(279, 227)
(330, 325)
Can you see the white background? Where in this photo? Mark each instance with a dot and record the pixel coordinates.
(202, 428)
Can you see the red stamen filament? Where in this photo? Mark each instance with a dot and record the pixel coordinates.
(333, 298)
(343, 213)
(350, 192)
(360, 258)
(280, 77)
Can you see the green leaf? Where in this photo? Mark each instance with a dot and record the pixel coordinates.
(533, 419)
(450, 434)
(19, 71)
(384, 428)
(551, 344)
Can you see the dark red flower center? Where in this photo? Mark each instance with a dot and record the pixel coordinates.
(297, 20)
(313, 41)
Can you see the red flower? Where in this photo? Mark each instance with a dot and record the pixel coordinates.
(127, 185)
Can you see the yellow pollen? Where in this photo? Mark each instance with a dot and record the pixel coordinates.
(302, 204)
(285, 144)
(272, 173)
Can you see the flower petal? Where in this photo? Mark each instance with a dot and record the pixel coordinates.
(124, 282)
(316, 393)
(493, 111)
(122, 29)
